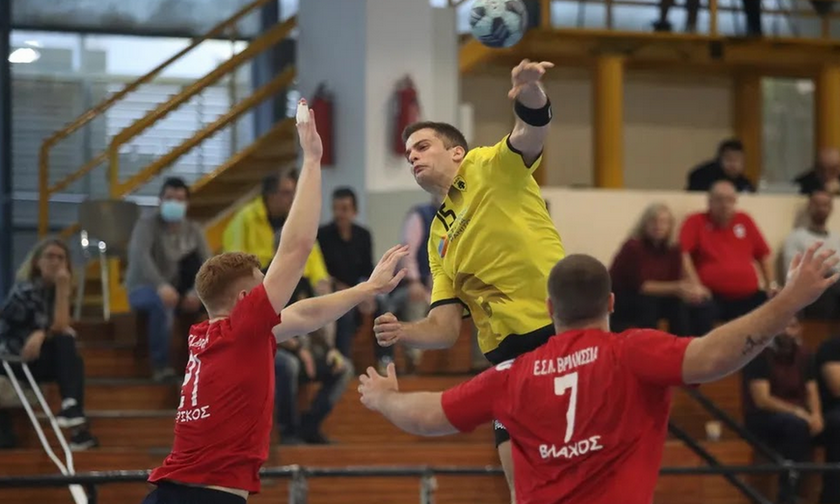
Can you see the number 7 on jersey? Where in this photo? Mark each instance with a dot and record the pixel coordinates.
(561, 385)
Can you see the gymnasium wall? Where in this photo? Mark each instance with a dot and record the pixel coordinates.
(597, 221)
(671, 123)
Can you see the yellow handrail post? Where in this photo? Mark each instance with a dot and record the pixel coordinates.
(545, 14)
(827, 107)
(746, 113)
(268, 39)
(82, 120)
(43, 192)
(114, 171)
(713, 17)
(271, 88)
(608, 127)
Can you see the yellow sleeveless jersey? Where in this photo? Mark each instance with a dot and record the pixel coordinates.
(493, 244)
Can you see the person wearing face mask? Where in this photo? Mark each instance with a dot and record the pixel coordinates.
(782, 401)
(164, 255)
(35, 325)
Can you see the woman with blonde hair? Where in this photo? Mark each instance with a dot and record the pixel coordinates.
(648, 280)
(35, 325)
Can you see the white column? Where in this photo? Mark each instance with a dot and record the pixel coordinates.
(361, 49)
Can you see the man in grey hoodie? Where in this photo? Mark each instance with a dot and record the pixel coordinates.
(164, 255)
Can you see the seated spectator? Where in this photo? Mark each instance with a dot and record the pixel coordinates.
(348, 253)
(825, 175)
(820, 205)
(648, 280)
(828, 379)
(309, 358)
(781, 401)
(728, 165)
(254, 229)
(36, 326)
(164, 255)
(410, 300)
(720, 248)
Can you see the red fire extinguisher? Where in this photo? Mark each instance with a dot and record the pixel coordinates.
(322, 106)
(407, 111)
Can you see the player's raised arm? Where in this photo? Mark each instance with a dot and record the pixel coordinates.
(532, 109)
(313, 313)
(730, 346)
(301, 227)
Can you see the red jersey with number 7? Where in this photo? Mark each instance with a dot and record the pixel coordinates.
(587, 414)
(223, 424)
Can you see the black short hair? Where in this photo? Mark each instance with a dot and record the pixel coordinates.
(451, 136)
(345, 192)
(579, 287)
(731, 144)
(174, 183)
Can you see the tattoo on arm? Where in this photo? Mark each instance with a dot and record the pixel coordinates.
(753, 343)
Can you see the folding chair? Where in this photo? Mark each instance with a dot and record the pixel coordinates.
(66, 467)
(106, 225)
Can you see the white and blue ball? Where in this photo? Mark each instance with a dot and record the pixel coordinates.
(498, 23)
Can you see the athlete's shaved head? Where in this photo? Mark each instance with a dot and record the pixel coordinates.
(579, 291)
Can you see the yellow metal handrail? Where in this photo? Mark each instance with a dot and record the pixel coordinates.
(714, 10)
(45, 190)
(282, 80)
(268, 39)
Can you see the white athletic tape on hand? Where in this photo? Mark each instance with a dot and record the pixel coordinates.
(302, 113)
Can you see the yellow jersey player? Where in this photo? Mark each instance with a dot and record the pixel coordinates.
(492, 243)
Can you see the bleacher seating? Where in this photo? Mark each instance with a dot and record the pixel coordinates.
(133, 419)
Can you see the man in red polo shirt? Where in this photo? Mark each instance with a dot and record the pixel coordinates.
(720, 249)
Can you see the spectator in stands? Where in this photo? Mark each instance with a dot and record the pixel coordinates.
(720, 248)
(348, 254)
(648, 280)
(410, 300)
(782, 403)
(828, 379)
(36, 326)
(727, 165)
(825, 175)
(164, 255)
(691, 8)
(255, 228)
(820, 205)
(308, 358)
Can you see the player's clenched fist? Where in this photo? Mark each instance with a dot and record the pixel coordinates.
(387, 329)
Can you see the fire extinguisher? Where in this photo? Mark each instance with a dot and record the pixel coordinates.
(407, 112)
(322, 106)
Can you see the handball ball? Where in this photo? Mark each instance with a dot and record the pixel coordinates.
(498, 23)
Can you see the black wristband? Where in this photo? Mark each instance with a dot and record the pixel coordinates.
(534, 117)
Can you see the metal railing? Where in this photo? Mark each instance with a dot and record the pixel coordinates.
(787, 12)
(45, 188)
(300, 476)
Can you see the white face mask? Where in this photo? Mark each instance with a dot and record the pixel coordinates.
(173, 210)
